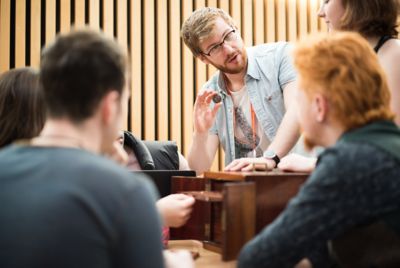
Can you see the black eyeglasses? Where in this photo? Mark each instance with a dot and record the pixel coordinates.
(215, 50)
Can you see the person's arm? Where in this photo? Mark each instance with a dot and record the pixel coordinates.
(175, 209)
(390, 62)
(183, 163)
(297, 163)
(204, 145)
(286, 136)
(289, 131)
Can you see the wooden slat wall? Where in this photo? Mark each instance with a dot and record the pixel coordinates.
(162, 71)
(20, 30)
(165, 76)
(65, 16)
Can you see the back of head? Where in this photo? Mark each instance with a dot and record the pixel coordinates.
(344, 68)
(77, 70)
(22, 112)
(371, 17)
(200, 25)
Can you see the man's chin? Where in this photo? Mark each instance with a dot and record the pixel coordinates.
(232, 70)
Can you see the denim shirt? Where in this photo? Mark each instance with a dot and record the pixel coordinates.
(269, 70)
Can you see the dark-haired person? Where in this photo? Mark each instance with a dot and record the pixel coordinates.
(350, 203)
(64, 205)
(22, 111)
(376, 21)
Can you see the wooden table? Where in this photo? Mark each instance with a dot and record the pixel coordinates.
(232, 207)
(206, 259)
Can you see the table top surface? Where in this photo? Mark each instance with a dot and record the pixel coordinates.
(206, 257)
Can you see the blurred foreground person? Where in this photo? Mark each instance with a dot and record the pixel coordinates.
(348, 211)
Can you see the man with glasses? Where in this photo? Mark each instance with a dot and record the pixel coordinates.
(246, 105)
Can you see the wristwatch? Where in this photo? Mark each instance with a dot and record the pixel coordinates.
(269, 154)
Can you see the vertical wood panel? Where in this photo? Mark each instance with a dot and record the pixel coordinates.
(108, 17)
(5, 13)
(236, 13)
(201, 74)
(94, 13)
(211, 69)
(175, 72)
(122, 36)
(162, 70)
(187, 86)
(270, 21)
(50, 20)
(247, 22)
(80, 13)
(313, 16)
(281, 20)
(122, 21)
(35, 32)
(136, 74)
(149, 70)
(20, 32)
(302, 18)
(291, 20)
(65, 14)
(224, 4)
(259, 30)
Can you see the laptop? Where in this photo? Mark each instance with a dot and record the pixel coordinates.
(162, 178)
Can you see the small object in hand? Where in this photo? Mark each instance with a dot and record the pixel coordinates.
(217, 98)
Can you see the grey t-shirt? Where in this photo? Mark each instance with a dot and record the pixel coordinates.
(64, 207)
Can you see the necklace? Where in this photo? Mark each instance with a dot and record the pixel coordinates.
(57, 140)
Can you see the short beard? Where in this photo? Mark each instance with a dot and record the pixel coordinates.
(237, 70)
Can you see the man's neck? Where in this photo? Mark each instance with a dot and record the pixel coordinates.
(331, 134)
(64, 133)
(235, 82)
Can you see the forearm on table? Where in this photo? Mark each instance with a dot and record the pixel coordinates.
(287, 135)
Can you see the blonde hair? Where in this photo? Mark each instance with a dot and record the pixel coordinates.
(200, 25)
(344, 68)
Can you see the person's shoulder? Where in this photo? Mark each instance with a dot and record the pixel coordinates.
(390, 52)
(90, 170)
(353, 156)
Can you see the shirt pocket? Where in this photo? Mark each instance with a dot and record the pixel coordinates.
(275, 104)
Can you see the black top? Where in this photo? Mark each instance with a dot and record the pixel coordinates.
(382, 41)
(65, 207)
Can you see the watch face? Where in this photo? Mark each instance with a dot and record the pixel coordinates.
(269, 154)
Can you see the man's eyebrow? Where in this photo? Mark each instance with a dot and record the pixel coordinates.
(223, 36)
